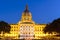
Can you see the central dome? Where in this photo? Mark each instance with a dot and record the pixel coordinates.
(26, 11)
(26, 17)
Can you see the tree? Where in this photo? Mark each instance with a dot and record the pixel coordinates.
(4, 27)
(53, 27)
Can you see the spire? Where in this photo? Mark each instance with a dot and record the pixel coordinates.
(26, 9)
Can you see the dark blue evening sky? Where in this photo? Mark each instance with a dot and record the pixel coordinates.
(43, 11)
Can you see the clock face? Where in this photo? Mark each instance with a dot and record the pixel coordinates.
(26, 18)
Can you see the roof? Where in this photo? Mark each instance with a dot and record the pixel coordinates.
(26, 23)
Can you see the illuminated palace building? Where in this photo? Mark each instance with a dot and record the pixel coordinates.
(26, 28)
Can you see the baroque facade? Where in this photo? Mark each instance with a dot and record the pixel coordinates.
(26, 28)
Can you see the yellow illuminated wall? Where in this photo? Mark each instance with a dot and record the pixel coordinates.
(39, 30)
